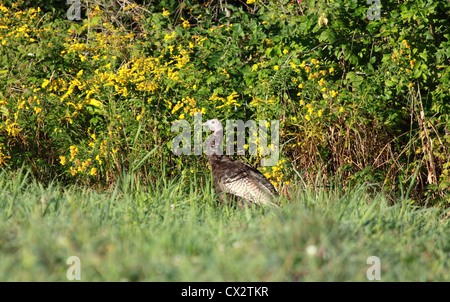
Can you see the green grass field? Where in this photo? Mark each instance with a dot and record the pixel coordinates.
(173, 232)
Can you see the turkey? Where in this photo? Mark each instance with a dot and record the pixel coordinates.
(233, 178)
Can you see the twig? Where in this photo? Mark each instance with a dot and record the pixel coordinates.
(298, 174)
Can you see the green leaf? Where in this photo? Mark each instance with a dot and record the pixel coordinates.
(389, 83)
(135, 167)
(328, 36)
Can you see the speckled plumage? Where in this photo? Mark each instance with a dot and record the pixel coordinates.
(235, 179)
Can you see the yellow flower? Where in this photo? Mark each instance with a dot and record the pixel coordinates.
(300, 85)
(62, 159)
(73, 171)
(94, 102)
(45, 83)
(21, 105)
(331, 70)
(73, 152)
(165, 12)
(168, 37)
(333, 93)
(251, 1)
(405, 43)
(276, 67)
(94, 171)
(177, 107)
(321, 82)
(341, 109)
(3, 157)
(307, 117)
(319, 113)
(186, 24)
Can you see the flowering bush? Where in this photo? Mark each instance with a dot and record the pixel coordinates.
(364, 99)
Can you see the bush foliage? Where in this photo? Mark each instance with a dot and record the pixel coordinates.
(366, 100)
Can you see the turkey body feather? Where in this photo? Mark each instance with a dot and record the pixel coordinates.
(241, 180)
(234, 178)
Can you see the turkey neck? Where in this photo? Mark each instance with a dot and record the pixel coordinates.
(214, 147)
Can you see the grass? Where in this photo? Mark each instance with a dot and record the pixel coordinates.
(174, 232)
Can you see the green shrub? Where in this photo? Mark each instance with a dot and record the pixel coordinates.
(364, 99)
